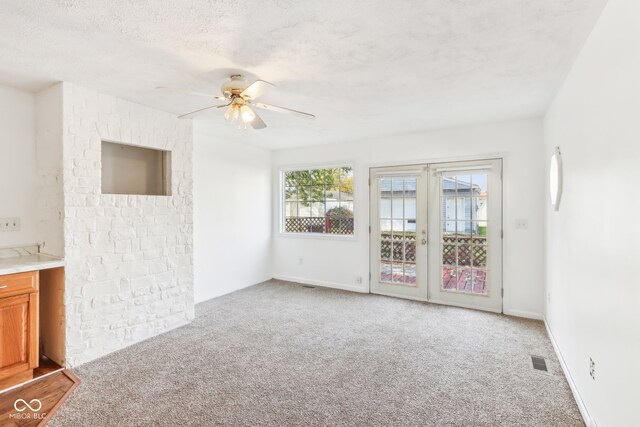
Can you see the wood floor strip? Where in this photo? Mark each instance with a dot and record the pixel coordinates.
(18, 406)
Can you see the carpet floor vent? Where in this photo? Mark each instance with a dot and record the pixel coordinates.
(539, 363)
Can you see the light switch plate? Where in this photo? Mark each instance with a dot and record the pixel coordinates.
(521, 224)
(9, 224)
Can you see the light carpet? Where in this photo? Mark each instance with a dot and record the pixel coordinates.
(282, 354)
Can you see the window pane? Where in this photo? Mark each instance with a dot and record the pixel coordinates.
(410, 227)
(464, 224)
(479, 258)
(410, 187)
(346, 182)
(290, 178)
(481, 228)
(330, 176)
(397, 186)
(317, 193)
(479, 182)
(463, 185)
(463, 208)
(397, 208)
(463, 227)
(385, 208)
(385, 187)
(304, 210)
(345, 195)
(317, 209)
(398, 250)
(410, 208)
(385, 271)
(479, 281)
(449, 278)
(385, 249)
(448, 227)
(347, 208)
(464, 253)
(410, 250)
(397, 273)
(409, 274)
(464, 280)
(291, 209)
(313, 201)
(449, 255)
(291, 193)
(346, 174)
(331, 193)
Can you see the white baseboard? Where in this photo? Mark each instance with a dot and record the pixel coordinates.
(228, 291)
(323, 284)
(574, 389)
(471, 307)
(522, 313)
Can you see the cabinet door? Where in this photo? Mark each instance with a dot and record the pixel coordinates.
(18, 334)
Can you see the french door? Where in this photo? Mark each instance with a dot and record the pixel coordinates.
(399, 231)
(436, 233)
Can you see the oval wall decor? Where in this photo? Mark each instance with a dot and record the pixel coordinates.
(555, 179)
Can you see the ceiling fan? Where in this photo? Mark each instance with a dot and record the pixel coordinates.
(239, 97)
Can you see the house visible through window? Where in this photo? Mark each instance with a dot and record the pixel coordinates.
(319, 201)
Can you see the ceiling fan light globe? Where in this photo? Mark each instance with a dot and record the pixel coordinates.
(233, 113)
(228, 113)
(247, 114)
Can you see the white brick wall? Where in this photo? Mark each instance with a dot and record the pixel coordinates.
(129, 262)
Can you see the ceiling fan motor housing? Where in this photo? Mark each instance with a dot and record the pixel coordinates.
(235, 86)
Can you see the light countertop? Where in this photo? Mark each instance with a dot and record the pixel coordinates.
(20, 264)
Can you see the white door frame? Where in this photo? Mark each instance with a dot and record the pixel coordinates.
(502, 157)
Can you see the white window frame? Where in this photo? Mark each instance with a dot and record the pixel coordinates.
(281, 195)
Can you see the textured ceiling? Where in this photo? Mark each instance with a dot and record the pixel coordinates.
(365, 68)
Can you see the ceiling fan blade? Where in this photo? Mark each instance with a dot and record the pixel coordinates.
(283, 110)
(257, 122)
(256, 89)
(188, 92)
(198, 111)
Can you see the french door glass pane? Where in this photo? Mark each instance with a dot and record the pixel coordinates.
(463, 218)
(397, 211)
(410, 208)
(385, 208)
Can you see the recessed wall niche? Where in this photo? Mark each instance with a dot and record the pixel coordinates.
(129, 169)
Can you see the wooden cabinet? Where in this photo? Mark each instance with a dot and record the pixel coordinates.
(18, 327)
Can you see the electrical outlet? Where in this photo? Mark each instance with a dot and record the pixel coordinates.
(9, 224)
(359, 280)
(300, 261)
(548, 297)
(521, 224)
(592, 369)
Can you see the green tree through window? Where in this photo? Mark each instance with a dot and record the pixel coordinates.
(319, 200)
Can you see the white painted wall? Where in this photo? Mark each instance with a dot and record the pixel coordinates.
(128, 258)
(593, 266)
(232, 214)
(18, 165)
(337, 262)
(49, 147)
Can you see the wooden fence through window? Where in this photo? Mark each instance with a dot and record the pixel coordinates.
(319, 224)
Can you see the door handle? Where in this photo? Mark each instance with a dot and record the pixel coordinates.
(4, 286)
